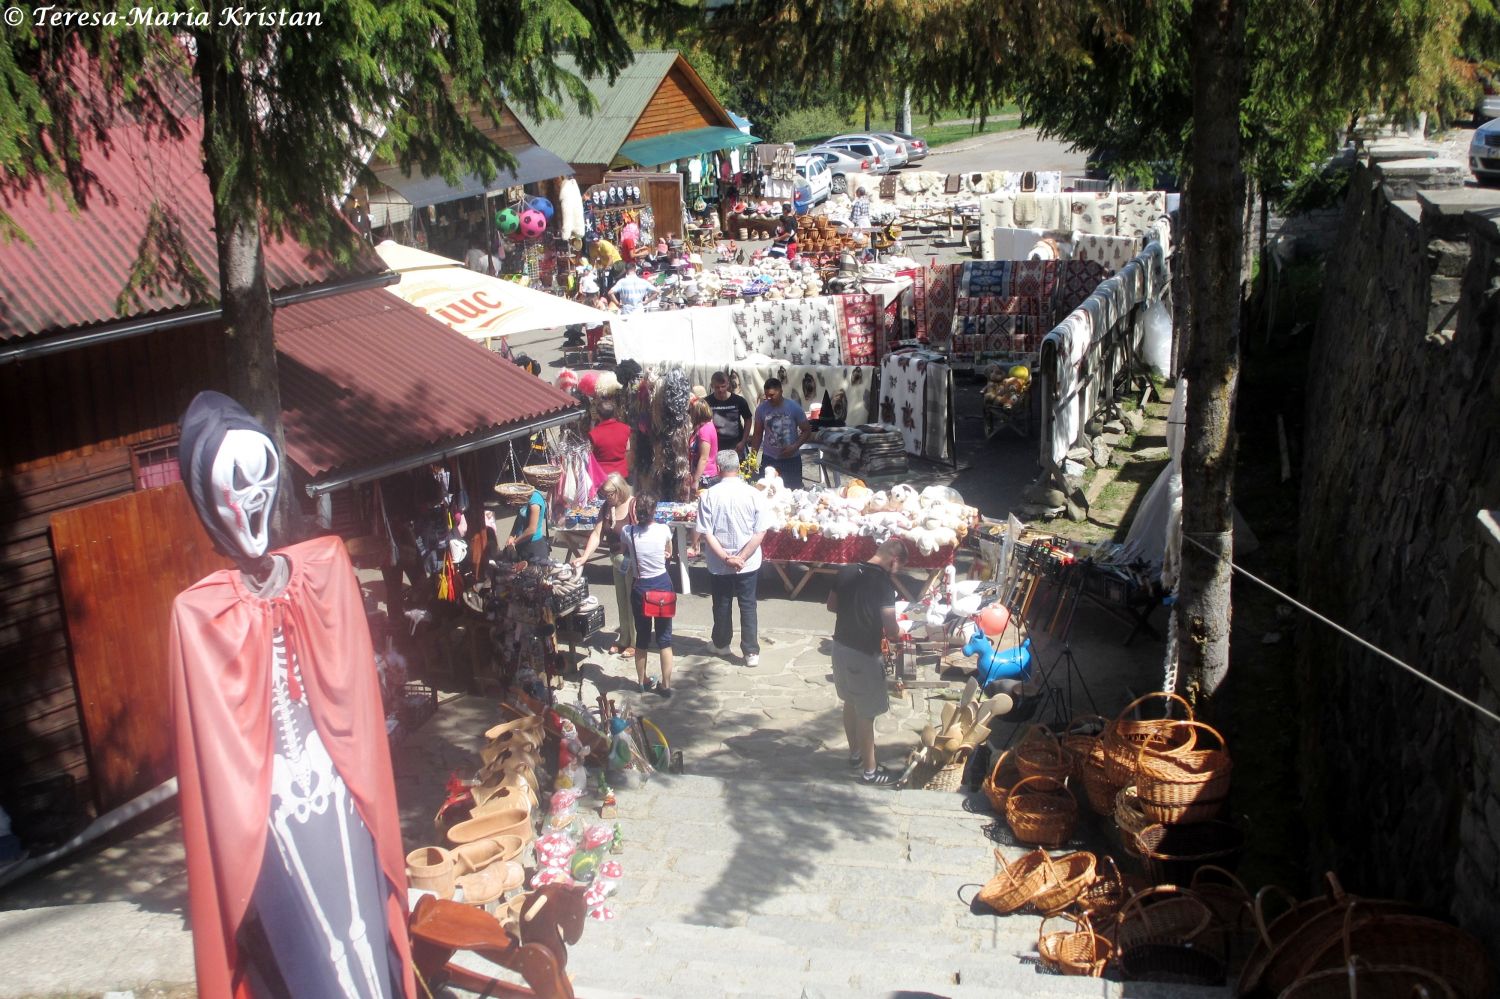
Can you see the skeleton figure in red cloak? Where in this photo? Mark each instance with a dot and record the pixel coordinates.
(296, 877)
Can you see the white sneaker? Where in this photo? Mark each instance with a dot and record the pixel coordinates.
(752, 660)
(721, 650)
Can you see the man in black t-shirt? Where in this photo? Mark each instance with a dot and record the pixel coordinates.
(864, 599)
(731, 414)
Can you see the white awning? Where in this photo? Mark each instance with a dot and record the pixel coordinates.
(477, 305)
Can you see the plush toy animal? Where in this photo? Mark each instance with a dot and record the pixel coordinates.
(1013, 664)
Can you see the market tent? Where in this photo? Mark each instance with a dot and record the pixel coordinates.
(477, 305)
(533, 163)
(679, 145)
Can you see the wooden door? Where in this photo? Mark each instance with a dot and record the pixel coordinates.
(664, 193)
(120, 563)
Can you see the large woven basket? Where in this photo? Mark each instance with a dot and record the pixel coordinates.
(1042, 811)
(1370, 981)
(1018, 882)
(1125, 736)
(1411, 940)
(544, 477)
(1098, 790)
(1173, 854)
(1107, 893)
(1079, 951)
(1039, 754)
(1164, 914)
(514, 493)
(1184, 785)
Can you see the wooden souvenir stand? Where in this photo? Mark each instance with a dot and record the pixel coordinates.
(660, 192)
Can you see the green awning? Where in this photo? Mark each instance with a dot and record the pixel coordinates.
(679, 145)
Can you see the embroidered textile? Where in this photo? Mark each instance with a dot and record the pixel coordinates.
(915, 389)
(1113, 252)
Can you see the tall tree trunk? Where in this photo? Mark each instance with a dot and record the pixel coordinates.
(867, 114)
(229, 161)
(903, 116)
(1216, 194)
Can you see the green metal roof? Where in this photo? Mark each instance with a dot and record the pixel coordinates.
(677, 145)
(597, 138)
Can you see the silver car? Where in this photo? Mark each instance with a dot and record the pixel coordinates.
(892, 150)
(842, 162)
(1484, 152)
(916, 148)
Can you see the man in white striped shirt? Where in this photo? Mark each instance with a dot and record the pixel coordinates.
(733, 517)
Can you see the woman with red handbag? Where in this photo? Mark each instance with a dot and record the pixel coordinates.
(653, 601)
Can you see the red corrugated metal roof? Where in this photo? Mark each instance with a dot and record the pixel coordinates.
(367, 378)
(78, 264)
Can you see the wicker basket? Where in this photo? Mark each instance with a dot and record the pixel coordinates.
(949, 776)
(1002, 777)
(1173, 854)
(1018, 882)
(1171, 963)
(1183, 786)
(1226, 895)
(1411, 940)
(1098, 790)
(1164, 914)
(1131, 818)
(1079, 951)
(1039, 754)
(1125, 736)
(514, 493)
(1042, 811)
(1108, 892)
(1370, 981)
(544, 477)
(1072, 874)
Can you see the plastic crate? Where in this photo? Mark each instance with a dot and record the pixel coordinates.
(581, 624)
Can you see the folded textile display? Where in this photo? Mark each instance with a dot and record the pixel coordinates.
(870, 449)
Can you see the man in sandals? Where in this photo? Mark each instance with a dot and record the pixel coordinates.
(863, 600)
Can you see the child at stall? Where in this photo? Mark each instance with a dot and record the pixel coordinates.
(705, 444)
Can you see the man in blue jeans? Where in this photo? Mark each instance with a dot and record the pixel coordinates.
(781, 428)
(733, 517)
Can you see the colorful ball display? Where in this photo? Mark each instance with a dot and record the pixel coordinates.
(542, 205)
(508, 221)
(533, 223)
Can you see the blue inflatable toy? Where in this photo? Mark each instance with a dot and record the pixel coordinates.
(1013, 664)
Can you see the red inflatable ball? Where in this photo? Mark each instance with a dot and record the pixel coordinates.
(993, 619)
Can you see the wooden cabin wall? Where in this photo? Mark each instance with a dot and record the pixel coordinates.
(71, 423)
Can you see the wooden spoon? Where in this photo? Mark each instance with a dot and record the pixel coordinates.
(929, 735)
(996, 706)
(949, 710)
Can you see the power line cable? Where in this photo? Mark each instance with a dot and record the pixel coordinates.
(1486, 712)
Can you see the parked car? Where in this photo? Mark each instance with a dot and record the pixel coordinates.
(916, 148)
(892, 150)
(1484, 152)
(842, 162)
(814, 170)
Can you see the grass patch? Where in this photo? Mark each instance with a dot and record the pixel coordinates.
(812, 125)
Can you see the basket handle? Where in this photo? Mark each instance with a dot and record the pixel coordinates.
(1258, 906)
(1080, 921)
(1061, 786)
(1125, 711)
(1225, 873)
(1196, 725)
(999, 762)
(1135, 902)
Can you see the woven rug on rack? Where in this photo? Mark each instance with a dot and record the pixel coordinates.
(859, 328)
(1076, 281)
(940, 286)
(1113, 252)
(914, 390)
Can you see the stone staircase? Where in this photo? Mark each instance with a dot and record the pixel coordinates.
(817, 889)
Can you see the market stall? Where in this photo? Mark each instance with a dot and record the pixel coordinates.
(479, 306)
(823, 529)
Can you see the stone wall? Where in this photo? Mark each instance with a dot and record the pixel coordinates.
(1402, 453)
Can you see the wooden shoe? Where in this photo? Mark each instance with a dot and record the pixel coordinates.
(492, 825)
(431, 868)
(481, 853)
(485, 887)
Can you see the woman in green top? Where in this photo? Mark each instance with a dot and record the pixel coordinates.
(528, 535)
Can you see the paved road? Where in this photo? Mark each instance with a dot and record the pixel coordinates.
(1021, 149)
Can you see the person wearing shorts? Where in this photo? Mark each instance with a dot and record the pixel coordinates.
(648, 545)
(863, 600)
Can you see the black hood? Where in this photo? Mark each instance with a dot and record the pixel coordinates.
(208, 418)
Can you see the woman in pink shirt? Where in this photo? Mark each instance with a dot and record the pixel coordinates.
(705, 444)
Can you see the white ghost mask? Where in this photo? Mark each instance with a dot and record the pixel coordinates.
(244, 479)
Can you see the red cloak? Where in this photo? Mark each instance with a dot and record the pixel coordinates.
(221, 702)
